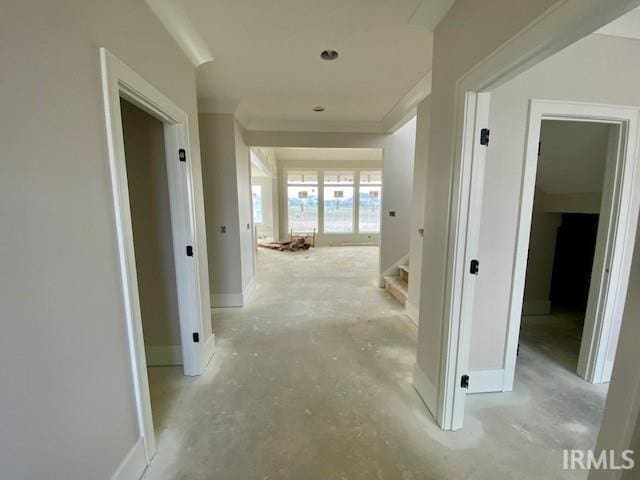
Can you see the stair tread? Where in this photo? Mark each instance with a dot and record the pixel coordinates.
(404, 267)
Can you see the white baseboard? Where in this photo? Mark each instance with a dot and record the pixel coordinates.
(248, 292)
(485, 381)
(412, 312)
(209, 349)
(426, 390)
(134, 464)
(536, 307)
(163, 355)
(224, 300)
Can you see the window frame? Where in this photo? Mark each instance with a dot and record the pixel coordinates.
(356, 185)
(319, 179)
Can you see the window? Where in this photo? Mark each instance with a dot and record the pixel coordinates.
(256, 196)
(338, 202)
(370, 201)
(302, 200)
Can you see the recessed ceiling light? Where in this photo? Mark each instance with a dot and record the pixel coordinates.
(329, 55)
(318, 109)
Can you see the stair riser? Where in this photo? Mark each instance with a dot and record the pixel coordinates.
(397, 293)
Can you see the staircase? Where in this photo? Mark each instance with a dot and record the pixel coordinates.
(398, 286)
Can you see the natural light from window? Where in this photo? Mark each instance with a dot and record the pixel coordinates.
(302, 201)
(256, 196)
(370, 201)
(338, 202)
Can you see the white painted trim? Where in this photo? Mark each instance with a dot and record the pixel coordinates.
(412, 312)
(209, 348)
(561, 25)
(403, 111)
(179, 25)
(485, 381)
(163, 355)
(134, 464)
(536, 307)
(466, 241)
(604, 298)
(426, 390)
(249, 291)
(230, 300)
(224, 300)
(120, 81)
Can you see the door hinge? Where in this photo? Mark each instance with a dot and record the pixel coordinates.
(196, 337)
(464, 381)
(484, 136)
(182, 155)
(189, 251)
(474, 267)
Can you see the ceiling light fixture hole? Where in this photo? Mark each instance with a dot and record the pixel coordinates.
(329, 55)
(318, 109)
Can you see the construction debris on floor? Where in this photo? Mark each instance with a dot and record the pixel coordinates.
(300, 243)
(295, 243)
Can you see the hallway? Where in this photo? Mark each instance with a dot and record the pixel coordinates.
(313, 381)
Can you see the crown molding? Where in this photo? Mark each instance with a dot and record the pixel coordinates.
(402, 111)
(405, 108)
(177, 23)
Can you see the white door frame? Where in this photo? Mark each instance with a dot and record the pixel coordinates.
(562, 24)
(615, 238)
(120, 81)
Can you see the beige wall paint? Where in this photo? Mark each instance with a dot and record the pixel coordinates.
(581, 72)
(418, 207)
(71, 397)
(467, 34)
(151, 218)
(542, 247)
(227, 183)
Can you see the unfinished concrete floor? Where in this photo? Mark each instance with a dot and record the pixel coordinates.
(312, 380)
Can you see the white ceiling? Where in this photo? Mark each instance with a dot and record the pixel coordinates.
(572, 156)
(267, 67)
(627, 26)
(329, 154)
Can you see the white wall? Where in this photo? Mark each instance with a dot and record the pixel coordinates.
(397, 176)
(598, 69)
(67, 399)
(417, 208)
(226, 168)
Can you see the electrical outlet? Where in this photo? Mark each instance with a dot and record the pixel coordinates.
(392, 213)
(223, 229)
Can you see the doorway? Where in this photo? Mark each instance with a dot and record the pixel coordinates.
(154, 250)
(571, 164)
(196, 341)
(615, 232)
